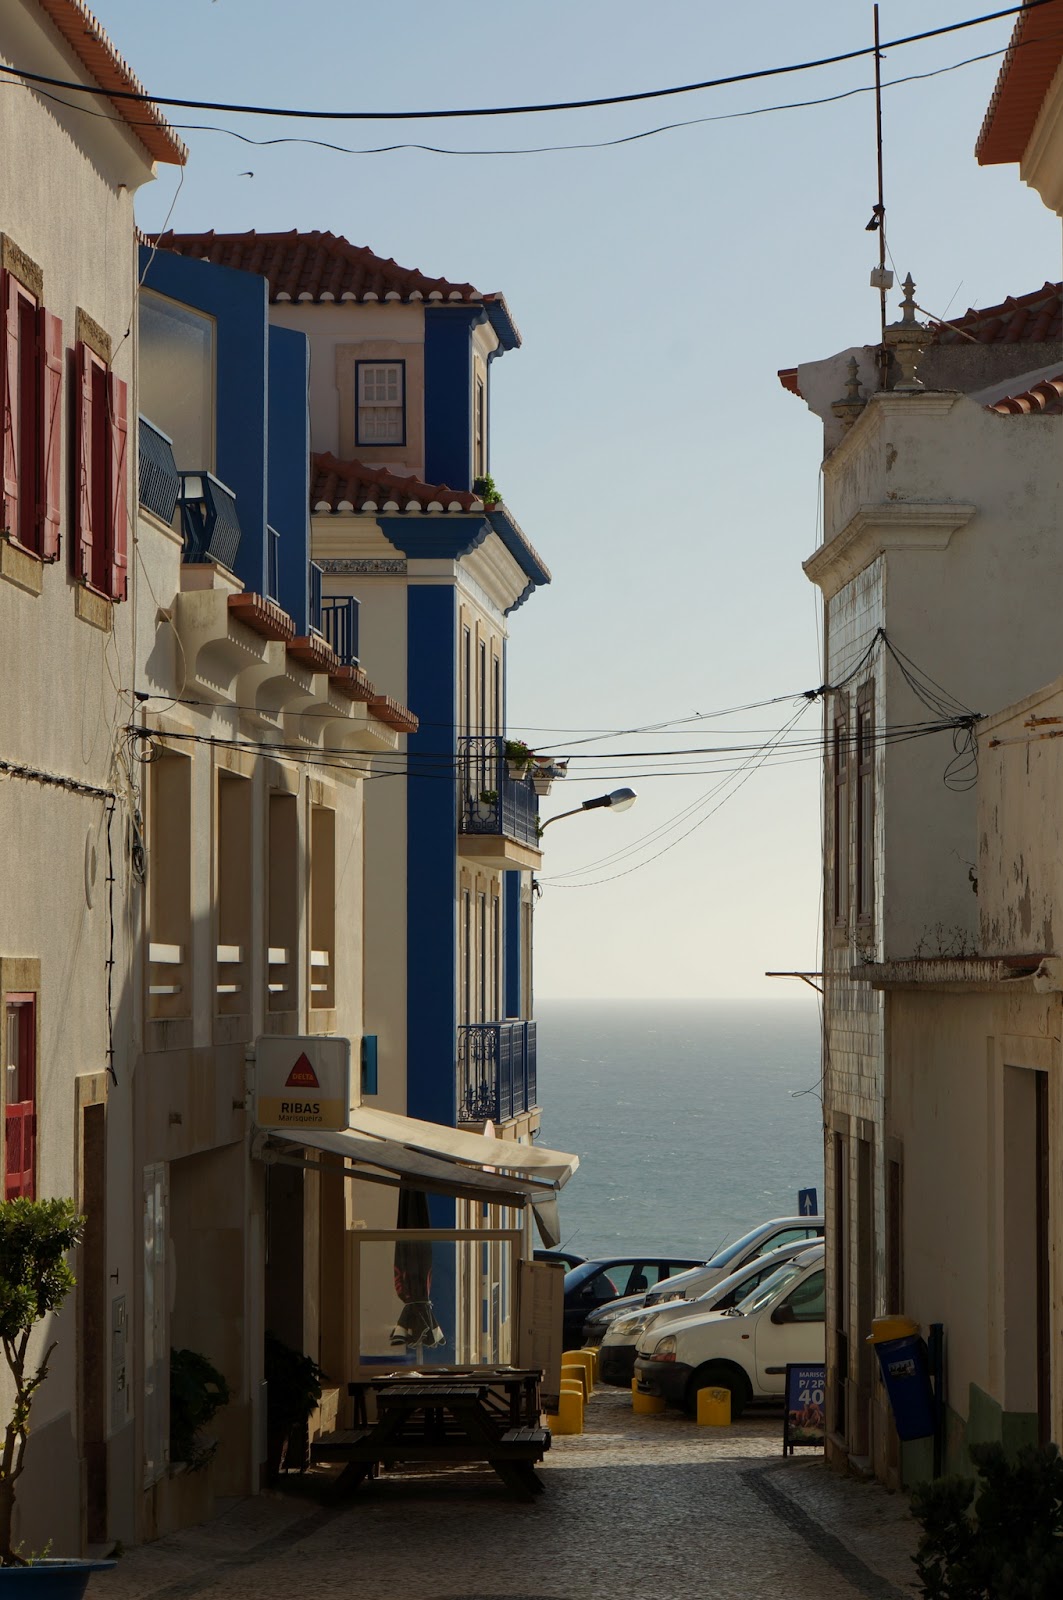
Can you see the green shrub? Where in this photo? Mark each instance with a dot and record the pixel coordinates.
(197, 1391)
(1000, 1538)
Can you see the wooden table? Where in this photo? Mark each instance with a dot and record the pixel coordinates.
(445, 1417)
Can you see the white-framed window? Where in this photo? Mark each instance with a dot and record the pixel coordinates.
(381, 413)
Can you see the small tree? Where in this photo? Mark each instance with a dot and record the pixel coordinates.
(35, 1279)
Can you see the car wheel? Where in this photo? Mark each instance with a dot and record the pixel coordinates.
(716, 1375)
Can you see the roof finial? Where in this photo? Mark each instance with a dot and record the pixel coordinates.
(849, 407)
(905, 339)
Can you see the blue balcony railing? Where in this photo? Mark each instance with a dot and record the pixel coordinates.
(496, 1070)
(209, 519)
(339, 624)
(273, 565)
(159, 482)
(492, 800)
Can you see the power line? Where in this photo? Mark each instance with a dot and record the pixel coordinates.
(304, 113)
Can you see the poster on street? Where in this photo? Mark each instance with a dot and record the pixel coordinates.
(804, 1420)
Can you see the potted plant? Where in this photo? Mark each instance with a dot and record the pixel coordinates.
(518, 757)
(487, 490)
(197, 1391)
(487, 805)
(36, 1237)
(293, 1392)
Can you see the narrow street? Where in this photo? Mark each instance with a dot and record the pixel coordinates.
(648, 1507)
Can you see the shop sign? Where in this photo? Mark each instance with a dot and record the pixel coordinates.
(302, 1082)
(803, 1422)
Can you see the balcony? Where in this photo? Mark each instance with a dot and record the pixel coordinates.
(496, 1071)
(499, 814)
(339, 624)
(209, 520)
(159, 482)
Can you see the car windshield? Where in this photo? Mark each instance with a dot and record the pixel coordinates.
(731, 1251)
(770, 1287)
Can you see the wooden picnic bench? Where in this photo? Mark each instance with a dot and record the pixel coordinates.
(436, 1421)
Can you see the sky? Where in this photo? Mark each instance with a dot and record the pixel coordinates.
(640, 436)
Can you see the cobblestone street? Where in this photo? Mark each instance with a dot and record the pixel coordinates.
(637, 1506)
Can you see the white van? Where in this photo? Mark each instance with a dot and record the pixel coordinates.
(746, 1349)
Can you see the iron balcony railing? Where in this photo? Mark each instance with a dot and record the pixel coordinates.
(273, 565)
(492, 800)
(209, 519)
(496, 1070)
(159, 482)
(316, 575)
(339, 624)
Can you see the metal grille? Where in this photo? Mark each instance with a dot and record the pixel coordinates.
(158, 480)
(496, 1070)
(339, 624)
(492, 800)
(209, 519)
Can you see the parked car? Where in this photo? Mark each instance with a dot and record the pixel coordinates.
(757, 1242)
(565, 1256)
(593, 1283)
(616, 1357)
(746, 1349)
(689, 1285)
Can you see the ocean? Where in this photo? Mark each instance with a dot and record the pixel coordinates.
(693, 1119)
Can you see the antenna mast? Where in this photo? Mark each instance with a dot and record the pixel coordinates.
(880, 208)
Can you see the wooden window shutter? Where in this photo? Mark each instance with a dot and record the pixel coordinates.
(50, 390)
(9, 398)
(81, 545)
(118, 431)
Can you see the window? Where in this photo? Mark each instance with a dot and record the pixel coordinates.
(480, 429)
(100, 437)
(31, 382)
(381, 417)
(841, 812)
(807, 1302)
(169, 886)
(865, 804)
(176, 372)
(20, 1095)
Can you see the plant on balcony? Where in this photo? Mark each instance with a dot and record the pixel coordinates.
(489, 796)
(35, 1279)
(518, 755)
(487, 489)
(197, 1391)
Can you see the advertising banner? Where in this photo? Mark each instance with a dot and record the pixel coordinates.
(804, 1421)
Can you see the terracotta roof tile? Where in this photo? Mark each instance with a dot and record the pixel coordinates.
(320, 267)
(1034, 318)
(77, 25)
(1044, 399)
(788, 379)
(1033, 57)
(352, 486)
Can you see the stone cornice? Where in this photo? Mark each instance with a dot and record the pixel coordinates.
(884, 403)
(874, 529)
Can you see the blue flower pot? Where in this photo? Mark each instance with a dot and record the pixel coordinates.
(51, 1580)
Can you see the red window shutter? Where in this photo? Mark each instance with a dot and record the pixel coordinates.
(50, 390)
(9, 398)
(84, 534)
(118, 406)
(20, 1149)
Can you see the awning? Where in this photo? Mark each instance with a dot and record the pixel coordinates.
(455, 1144)
(372, 1155)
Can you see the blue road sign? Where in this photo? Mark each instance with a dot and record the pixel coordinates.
(807, 1203)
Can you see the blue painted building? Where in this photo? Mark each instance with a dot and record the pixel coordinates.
(404, 523)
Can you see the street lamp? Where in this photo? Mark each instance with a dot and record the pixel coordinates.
(619, 800)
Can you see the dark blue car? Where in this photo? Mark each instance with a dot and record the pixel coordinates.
(593, 1283)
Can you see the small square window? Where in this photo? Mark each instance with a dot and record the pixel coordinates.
(381, 415)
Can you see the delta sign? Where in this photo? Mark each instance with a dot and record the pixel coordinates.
(302, 1082)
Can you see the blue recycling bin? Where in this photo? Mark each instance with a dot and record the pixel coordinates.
(906, 1374)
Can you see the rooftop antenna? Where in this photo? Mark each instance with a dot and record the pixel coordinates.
(881, 276)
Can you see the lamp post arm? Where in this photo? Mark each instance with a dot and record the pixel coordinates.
(574, 812)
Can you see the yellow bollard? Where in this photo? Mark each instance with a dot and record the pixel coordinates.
(714, 1408)
(582, 1358)
(576, 1369)
(569, 1418)
(589, 1350)
(645, 1404)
